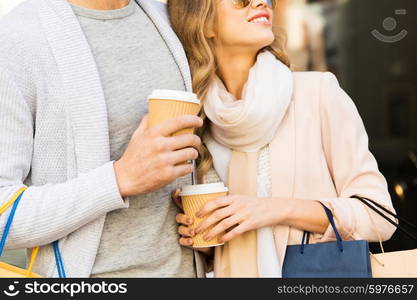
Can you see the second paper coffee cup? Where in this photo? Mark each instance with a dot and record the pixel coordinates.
(194, 197)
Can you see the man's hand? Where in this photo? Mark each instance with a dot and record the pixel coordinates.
(150, 159)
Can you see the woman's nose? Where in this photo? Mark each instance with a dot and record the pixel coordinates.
(258, 3)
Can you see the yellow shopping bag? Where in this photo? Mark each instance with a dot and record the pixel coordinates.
(7, 270)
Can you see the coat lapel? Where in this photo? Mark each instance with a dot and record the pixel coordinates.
(86, 114)
(171, 40)
(81, 83)
(282, 156)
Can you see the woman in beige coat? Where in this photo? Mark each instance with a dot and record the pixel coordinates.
(282, 141)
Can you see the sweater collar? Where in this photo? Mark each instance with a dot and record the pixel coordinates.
(112, 14)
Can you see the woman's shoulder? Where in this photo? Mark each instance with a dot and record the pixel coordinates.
(321, 90)
(313, 87)
(312, 79)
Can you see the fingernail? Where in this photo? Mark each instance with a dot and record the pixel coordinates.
(190, 241)
(192, 233)
(189, 221)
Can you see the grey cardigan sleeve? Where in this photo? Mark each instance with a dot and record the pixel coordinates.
(49, 212)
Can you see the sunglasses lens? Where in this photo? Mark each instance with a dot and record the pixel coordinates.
(244, 3)
(241, 3)
(272, 3)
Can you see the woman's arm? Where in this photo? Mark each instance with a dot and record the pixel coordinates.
(49, 212)
(353, 167)
(305, 215)
(246, 213)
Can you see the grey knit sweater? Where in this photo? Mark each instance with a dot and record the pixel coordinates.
(54, 135)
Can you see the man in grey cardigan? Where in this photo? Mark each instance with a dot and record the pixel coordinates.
(74, 81)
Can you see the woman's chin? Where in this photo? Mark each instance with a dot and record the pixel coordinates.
(261, 42)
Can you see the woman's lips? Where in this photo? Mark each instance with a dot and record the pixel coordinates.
(262, 18)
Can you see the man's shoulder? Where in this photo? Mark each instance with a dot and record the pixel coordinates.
(22, 24)
(21, 32)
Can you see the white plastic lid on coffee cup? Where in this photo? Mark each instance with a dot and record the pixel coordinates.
(210, 188)
(174, 95)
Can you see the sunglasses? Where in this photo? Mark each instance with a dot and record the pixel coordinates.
(245, 3)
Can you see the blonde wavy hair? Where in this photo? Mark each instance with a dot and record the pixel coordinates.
(190, 19)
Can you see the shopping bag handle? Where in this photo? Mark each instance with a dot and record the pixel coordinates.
(10, 202)
(332, 223)
(14, 200)
(380, 210)
(58, 261)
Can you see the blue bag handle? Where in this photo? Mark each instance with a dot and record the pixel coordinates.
(58, 258)
(58, 261)
(331, 220)
(304, 241)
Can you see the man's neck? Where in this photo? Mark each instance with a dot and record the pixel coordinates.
(100, 4)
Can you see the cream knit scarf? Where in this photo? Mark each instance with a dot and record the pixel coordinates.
(239, 129)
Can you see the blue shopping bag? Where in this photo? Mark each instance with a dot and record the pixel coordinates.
(348, 259)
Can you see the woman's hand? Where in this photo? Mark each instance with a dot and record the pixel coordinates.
(244, 213)
(184, 221)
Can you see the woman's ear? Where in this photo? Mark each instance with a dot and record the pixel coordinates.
(209, 32)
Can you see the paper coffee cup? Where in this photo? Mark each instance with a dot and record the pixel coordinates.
(167, 104)
(194, 197)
